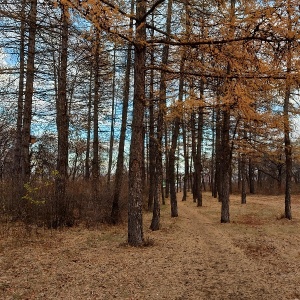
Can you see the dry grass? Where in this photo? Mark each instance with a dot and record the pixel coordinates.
(194, 256)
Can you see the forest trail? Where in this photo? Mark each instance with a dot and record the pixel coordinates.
(193, 256)
(225, 270)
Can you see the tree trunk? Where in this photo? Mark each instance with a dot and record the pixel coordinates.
(18, 143)
(243, 173)
(88, 136)
(152, 152)
(198, 161)
(152, 141)
(178, 185)
(287, 141)
(288, 165)
(194, 153)
(218, 151)
(175, 134)
(187, 165)
(167, 180)
(160, 126)
(225, 138)
(144, 176)
(135, 203)
(213, 156)
(115, 212)
(95, 161)
(62, 123)
(186, 162)
(112, 122)
(27, 116)
(243, 179)
(225, 167)
(251, 177)
(171, 171)
(155, 222)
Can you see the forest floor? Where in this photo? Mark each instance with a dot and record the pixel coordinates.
(194, 256)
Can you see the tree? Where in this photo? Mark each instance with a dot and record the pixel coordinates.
(115, 212)
(62, 122)
(18, 142)
(20, 91)
(225, 138)
(96, 99)
(135, 203)
(27, 113)
(286, 105)
(243, 173)
(112, 122)
(89, 121)
(155, 223)
(152, 141)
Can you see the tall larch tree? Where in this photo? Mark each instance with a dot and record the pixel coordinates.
(225, 137)
(18, 142)
(96, 99)
(112, 120)
(27, 112)
(286, 111)
(115, 212)
(152, 141)
(62, 123)
(89, 123)
(135, 201)
(155, 223)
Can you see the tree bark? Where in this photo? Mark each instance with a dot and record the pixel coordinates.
(160, 192)
(18, 143)
(225, 167)
(95, 161)
(243, 175)
(194, 153)
(175, 134)
(112, 122)
(115, 212)
(135, 203)
(225, 139)
(27, 112)
(152, 141)
(251, 177)
(287, 141)
(213, 156)
(243, 179)
(171, 163)
(62, 123)
(198, 161)
(218, 159)
(88, 136)
(186, 162)
(171, 171)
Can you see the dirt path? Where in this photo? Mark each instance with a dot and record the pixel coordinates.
(193, 257)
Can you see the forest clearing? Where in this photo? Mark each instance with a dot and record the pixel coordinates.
(194, 256)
